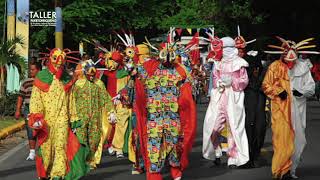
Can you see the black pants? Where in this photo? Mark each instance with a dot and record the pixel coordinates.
(256, 124)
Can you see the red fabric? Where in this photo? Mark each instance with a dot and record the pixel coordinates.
(117, 57)
(195, 54)
(188, 118)
(112, 82)
(110, 139)
(151, 66)
(41, 85)
(316, 71)
(69, 85)
(42, 173)
(179, 31)
(154, 176)
(73, 145)
(175, 172)
(41, 133)
(141, 114)
(181, 71)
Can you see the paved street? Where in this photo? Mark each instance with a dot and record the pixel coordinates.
(15, 167)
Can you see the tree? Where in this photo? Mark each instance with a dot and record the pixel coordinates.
(98, 18)
(8, 55)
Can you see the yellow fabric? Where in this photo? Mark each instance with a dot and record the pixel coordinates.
(106, 127)
(123, 113)
(143, 49)
(276, 81)
(121, 83)
(53, 104)
(131, 152)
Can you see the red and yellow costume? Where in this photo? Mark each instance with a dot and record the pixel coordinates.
(60, 155)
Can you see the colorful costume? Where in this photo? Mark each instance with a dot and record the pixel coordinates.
(117, 79)
(166, 114)
(226, 107)
(60, 154)
(89, 101)
(287, 83)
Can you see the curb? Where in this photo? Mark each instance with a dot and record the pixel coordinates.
(11, 129)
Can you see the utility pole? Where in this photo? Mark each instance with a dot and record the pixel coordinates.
(59, 24)
(11, 19)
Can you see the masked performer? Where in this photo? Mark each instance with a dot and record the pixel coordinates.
(89, 102)
(60, 155)
(166, 114)
(288, 82)
(254, 102)
(226, 108)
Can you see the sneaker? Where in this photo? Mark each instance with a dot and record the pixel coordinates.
(119, 155)
(177, 178)
(111, 151)
(31, 157)
(136, 171)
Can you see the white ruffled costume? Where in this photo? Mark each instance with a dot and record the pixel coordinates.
(302, 81)
(226, 107)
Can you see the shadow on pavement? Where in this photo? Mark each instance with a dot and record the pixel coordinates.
(19, 170)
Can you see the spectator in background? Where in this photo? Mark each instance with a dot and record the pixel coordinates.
(23, 103)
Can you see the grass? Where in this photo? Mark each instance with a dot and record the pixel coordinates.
(7, 121)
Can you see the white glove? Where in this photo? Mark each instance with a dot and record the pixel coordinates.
(37, 124)
(116, 99)
(252, 53)
(220, 86)
(74, 130)
(226, 80)
(113, 118)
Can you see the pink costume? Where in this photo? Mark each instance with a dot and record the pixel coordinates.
(226, 108)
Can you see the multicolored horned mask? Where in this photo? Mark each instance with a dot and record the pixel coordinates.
(290, 50)
(241, 43)
(216, 47)
(170, 51)
(57, 58)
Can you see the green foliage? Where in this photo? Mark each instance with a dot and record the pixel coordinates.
(98, 18)
(8, 104)
(8, 55)
(2, 5)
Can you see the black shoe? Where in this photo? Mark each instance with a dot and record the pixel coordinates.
(248, 165)
(233, 167)
(287, 176)
(217, 161)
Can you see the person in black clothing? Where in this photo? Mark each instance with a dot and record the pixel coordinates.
(255, 102)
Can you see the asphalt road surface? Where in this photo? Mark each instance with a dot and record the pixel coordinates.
(13, 165)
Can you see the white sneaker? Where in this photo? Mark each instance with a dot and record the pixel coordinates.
(293, 175)
(111, 151)
(31, 156)
(119, 155)
(177, 178)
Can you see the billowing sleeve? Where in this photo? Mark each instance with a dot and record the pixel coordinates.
(270, 85)
(36, 104)
(240, 80)
(308, 87)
